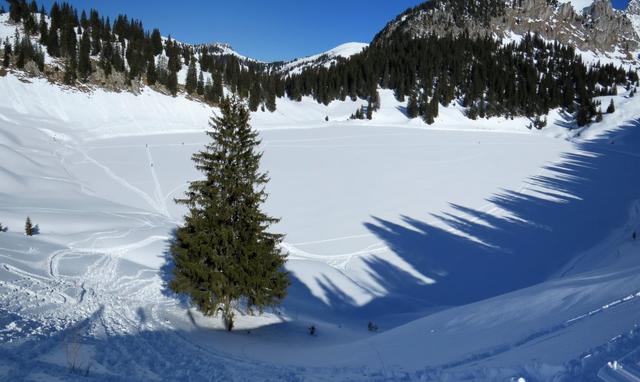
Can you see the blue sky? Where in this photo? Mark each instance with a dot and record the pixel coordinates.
(263, 29)
(268, 30)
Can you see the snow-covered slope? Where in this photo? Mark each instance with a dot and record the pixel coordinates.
(324, 59)
(578, 5)
(481, 249)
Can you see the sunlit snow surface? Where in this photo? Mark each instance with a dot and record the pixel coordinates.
(478, 248)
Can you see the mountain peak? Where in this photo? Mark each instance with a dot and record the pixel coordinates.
(633, 8)
(579, 23)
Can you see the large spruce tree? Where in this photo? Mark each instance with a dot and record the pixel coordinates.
(225, 258)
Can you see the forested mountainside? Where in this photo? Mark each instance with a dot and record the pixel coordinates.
(428, 59)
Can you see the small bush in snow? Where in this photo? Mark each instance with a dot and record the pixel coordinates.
(29, 229)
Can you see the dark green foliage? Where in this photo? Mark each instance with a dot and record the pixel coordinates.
(151, 73)
(172, 83)
(412, 106)
(70, 69)
(611, 108)
(156, 42)
(599, 116)
(6, 61)
(26, 52)
(44, 30)
(106, 57)
(255, 96)
(192, 78)
(17, 10)
(582, 116)
(84, 60)
(539, 123)
(200, 87)
(359, 114)
(53, 44)
(528, 78)
(28, 227)
(224, 257)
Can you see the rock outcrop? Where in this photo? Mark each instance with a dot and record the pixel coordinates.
(596, 28)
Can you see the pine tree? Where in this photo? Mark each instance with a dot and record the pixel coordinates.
(611, 108)
(255, 97)
(84, 60)
(412, 106)
(53, 44)
(599, 116)
(44, 30)
(28, 227)
(156, 42)
(151, 72)
(200, 88)
(370, 110)
(70, 69)
(270, 101)
(224, 256)
(7, 55)
(192, 78)
(172, 82)
(582, 116)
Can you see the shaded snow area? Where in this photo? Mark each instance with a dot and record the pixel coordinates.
(481, 250)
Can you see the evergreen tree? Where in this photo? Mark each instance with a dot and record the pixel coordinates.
(270, 101)
(200, 88)
(156, 42)
(28, 227)
(70, 69)
(172, 83)
(599, 116)
(412, 106)
(192, 78)
(611, 108)
(582, 116)
(7, 54)
(84, 60)
(151, 72)
(255, 96)
(53, 44)
(44, 30)
(224, 257)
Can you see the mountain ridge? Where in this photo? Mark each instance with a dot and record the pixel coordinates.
(598, 27)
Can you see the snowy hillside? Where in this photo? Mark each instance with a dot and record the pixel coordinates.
(578, 5)
(479, 248)
(461, 248)
(324, 59)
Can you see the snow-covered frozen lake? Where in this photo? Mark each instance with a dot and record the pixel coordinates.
(469, 248)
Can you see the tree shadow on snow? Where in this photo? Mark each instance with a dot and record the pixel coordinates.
(473, 255)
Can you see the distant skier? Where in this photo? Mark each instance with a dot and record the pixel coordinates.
(312, 330)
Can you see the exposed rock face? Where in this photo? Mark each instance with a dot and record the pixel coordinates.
(598, 28)
(633, 13)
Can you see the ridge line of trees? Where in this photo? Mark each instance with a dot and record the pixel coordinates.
(483, 75)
